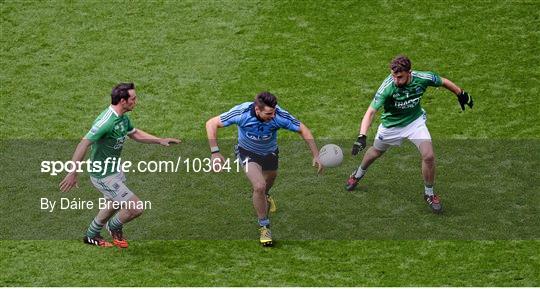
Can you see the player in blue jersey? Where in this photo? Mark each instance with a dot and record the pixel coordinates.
(258, 123)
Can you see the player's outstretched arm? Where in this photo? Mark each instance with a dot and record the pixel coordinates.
(463, 97)
(361, 140)
(70, 180)
(306, 134)
(212, 126)
(144, 137)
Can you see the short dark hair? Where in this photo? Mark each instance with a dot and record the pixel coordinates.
(265, 98)
(400, 63)
(121, 91)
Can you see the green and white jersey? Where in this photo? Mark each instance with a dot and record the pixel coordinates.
(108, 133)
(402, 104)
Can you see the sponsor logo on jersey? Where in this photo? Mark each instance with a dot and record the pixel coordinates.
(407, 103)
(119, 142)
(120, 127)
(401, 96)
(257, 137)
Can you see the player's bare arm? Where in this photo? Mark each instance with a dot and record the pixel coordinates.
(448, 84)
(144, 137)
(306, 134)
(367, 120)
(70, 180)
(212, 126)
(463, 97)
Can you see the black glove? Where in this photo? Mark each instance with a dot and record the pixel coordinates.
(359, 144)
(465, 99)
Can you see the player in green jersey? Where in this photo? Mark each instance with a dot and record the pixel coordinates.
(107, 136)
(403, 118)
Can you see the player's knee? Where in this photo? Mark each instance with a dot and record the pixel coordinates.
(428, 158)
(102, 220)
(134, 213)
(259, 187)
(376, 152)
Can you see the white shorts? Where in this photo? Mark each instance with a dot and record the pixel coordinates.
(113, 188)
(417, 132)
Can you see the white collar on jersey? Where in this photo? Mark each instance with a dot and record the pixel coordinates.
(114, 111)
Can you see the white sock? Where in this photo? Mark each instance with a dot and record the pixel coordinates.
(360, 172)
(428, 190)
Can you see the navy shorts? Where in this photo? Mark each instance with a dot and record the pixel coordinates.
(268, 162)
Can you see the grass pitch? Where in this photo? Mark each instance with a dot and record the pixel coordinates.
(193, 60)
(291, 263)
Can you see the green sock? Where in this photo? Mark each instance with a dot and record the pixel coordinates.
(114, 223)
(94, 228)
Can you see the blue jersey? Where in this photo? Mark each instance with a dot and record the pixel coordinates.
(254, 135)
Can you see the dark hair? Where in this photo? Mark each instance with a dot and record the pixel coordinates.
(265, 98)
(121, 91)
(400, 63)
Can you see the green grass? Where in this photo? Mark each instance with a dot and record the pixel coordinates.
(291, 263)
(188, 55)
(192, 60)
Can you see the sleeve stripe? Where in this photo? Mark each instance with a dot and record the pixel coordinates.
(424, 76)
(104, 119)
(228, 116)
(385, 84)
(427, 77)
(284, 115)
(289, 117)
(236, 111)
(421, 73)
(382, 88)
